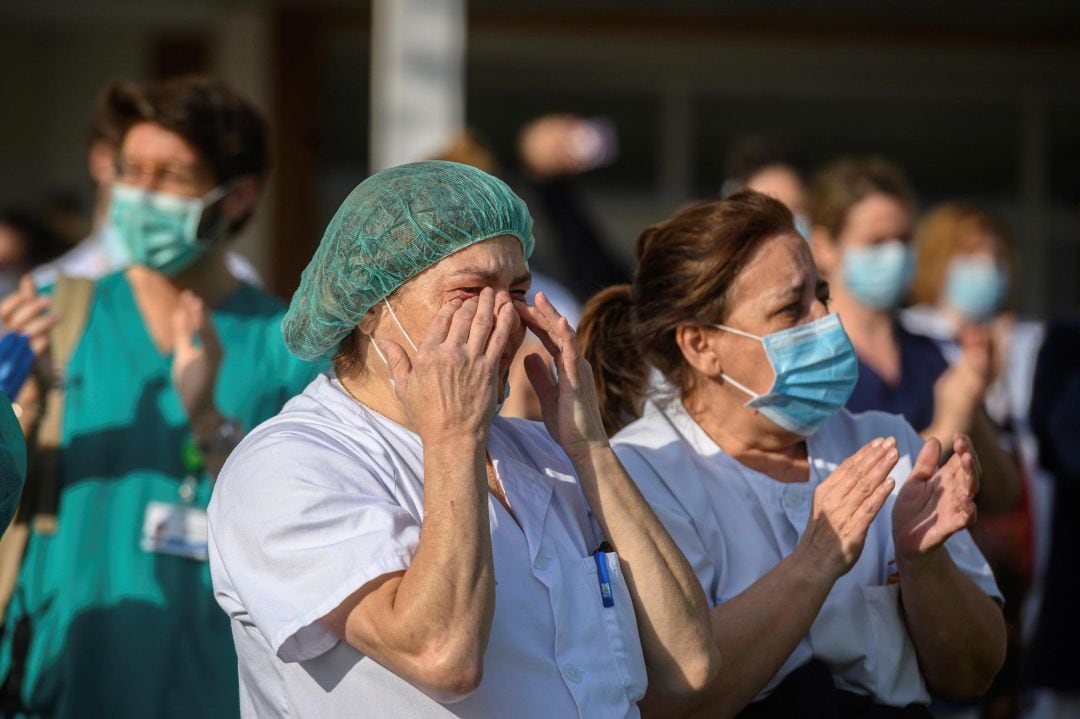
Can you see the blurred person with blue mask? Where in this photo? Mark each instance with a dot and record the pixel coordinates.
(964, 278)
(962, 287)
(172, 360)
(389, 545)
(831, 546)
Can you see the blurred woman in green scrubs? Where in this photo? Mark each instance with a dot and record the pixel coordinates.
(176, 361)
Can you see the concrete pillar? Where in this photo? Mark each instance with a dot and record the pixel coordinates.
(244, 59)
(417, 78)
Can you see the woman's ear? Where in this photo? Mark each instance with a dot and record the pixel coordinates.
(698, 347)
(371, 318)
(825, 250)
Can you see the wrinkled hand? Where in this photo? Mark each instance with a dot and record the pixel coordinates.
(568, 404)
(197, 357)
(934, 505)
(845, 505)
(26, 312)
(448, 388)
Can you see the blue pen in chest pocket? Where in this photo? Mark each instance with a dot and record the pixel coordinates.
(603, 575)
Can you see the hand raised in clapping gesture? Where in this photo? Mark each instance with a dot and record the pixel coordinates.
(934, 504)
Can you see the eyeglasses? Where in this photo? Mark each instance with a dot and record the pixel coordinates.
(172, 174)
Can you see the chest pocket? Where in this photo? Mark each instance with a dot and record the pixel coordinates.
(895, 664)
(621, 625)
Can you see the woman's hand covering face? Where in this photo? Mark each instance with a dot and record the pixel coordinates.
(449, 387)
(568, 400)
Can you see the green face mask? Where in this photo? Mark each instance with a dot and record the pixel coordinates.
(162, 231)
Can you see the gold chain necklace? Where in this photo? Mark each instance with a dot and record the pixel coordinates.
(350, 392)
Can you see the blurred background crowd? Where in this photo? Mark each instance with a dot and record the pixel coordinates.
(929, 153)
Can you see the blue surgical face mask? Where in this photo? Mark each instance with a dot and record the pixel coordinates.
(975, 286)
(160, 230)
(393, 385)
(815, 369)
(878, 276)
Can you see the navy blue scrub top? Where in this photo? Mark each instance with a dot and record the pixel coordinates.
(921, 363)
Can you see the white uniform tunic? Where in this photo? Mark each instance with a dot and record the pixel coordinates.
(735, 524)
(329, 495)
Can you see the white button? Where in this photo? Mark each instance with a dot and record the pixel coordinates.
(574, 674)
(542, 562)
(792, 500)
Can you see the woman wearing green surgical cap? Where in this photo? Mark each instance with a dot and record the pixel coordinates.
(388, 545)
(165, 365)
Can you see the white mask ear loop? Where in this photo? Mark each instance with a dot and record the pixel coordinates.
(375, 345)
(738, 386)
(400, 327)
(726, 378)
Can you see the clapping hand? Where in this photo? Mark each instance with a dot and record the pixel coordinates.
(197, 356)
(931, 506)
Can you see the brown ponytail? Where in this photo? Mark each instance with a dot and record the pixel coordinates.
(685, 267)
(620, 371)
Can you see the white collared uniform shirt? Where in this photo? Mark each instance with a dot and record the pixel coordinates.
(328, 495)
(735, 524)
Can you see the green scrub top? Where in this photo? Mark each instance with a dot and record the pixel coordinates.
(12, 462)
(116, 631)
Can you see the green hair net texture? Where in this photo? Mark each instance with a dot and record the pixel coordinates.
(392, 227)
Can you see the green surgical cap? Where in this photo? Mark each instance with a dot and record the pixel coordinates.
(392, 227)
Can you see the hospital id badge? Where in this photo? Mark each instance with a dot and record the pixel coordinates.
(175, 529)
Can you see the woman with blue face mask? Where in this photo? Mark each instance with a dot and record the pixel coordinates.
(963, 277)
(832, 549)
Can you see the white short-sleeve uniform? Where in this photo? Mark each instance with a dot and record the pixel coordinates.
(735, 524)
(328, 495)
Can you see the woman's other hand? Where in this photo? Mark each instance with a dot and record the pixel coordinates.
(934, 505)
(568, 402)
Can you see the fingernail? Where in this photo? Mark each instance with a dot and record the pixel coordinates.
(876, 442)
(893, 455)
(890, 441)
